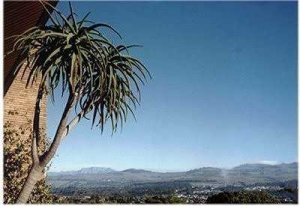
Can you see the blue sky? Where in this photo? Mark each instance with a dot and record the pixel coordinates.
(224, 88)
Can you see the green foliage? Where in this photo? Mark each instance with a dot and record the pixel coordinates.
(17, 162)
(170, 199)
(242, 197)
(123, 199)
(98, 75)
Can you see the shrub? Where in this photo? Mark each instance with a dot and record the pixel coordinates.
(242, 197)
(17, 162)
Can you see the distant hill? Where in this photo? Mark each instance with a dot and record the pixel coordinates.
(136, 171)
(264, 172)
(243, 174)
(95, 170)
(87, 171)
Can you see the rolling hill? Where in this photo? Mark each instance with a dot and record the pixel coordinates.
(244, 174)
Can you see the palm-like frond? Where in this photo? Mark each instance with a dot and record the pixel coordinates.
(102, 76)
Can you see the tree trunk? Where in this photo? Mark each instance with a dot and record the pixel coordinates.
(39, 163)
(34, 176)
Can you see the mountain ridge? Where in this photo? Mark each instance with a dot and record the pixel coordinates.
(94, 169)
(138, 181)
(243, 174)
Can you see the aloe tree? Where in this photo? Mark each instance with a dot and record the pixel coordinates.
(100, 80)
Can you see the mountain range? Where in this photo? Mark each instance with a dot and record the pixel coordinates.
(243, 174)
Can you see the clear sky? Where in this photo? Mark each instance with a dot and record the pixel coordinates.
(224, 88)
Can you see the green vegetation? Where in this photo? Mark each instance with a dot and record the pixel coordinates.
(94, 199)
(164, 200)
(101, 80)
(243, 197)
(17, 161)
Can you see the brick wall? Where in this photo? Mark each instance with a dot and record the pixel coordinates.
(21, 99)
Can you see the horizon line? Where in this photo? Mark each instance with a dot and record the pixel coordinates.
(272, 163)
